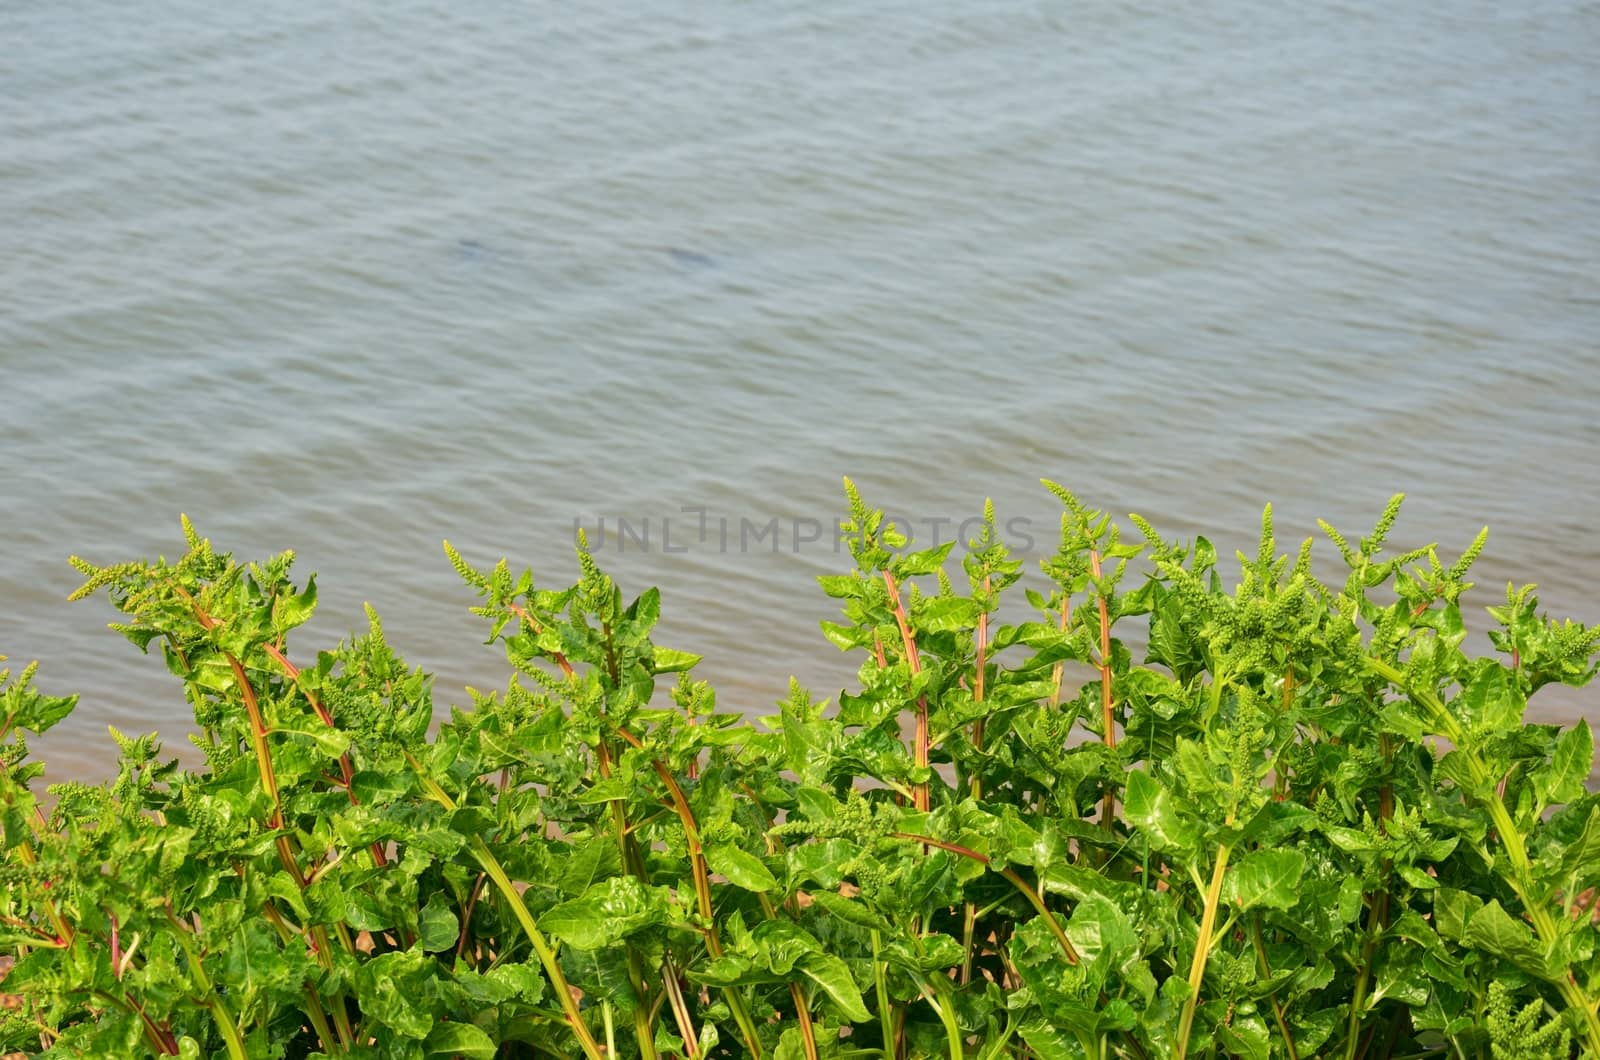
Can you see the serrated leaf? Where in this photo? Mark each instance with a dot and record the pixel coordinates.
(330, 742)
(36, 712)
(646, 610)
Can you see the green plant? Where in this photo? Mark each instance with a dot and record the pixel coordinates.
(1307, 824)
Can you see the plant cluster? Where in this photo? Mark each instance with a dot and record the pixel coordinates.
(1307, 824)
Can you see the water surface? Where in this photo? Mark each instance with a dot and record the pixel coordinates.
(352, 281)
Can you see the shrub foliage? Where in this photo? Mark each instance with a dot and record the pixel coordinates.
(1308, 823)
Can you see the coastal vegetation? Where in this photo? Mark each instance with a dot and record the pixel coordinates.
(1280, 817)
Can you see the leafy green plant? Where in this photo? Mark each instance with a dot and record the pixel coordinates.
(1308, 823)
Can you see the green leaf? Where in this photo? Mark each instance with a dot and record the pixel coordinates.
(588, 861)
(36, 712)
(279, 885)
(518, 980)
(292, 611)
(845, 638)
(848, 910)
(606, 913)
(831, 973)
(1563, 779)
(1459, 768)
(1051, 1043)
(739, 867)
(671, 661)
(1101, 932)
(1401, 977)
(460, 1039)
(842, 586)
(389, 988)
(437, 925)
(1580, 862)
(330, 742)
(927, 561)
(1452, 909)
(1349, 902)
(1490, 704)
(1269, 878)
(1416, 877)
(1246, 1037)
(1150, 807)
(940, 613)
(646, 610)
(1493, 929)
(380, 788)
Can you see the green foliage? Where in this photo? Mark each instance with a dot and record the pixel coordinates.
(1286, 819)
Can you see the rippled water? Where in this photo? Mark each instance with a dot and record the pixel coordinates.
(352, 280)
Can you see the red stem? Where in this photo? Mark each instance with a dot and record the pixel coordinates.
(1108, 716)
(914, 661)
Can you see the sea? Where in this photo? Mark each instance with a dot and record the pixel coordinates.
(355, 278)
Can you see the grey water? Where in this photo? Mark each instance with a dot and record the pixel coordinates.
(353, 278)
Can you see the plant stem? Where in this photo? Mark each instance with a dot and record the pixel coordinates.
(1011, 877)
(346, 769)
(1520, 877)
(885, 1006)
(1208, 918)
(226, 1025)
(702, 890)
(914, 661)
(269, 776)
(978, 677)
(802, 1011)
(630, 862)
(269, 781)
(1107, 713)
(680, 1008)
(969, 910)
(1377, 913)
(944, 1007)
(64, 932)
(643, 1029)
(1266, 973)
(1202, 950)
(513, 898)
(466, 916)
